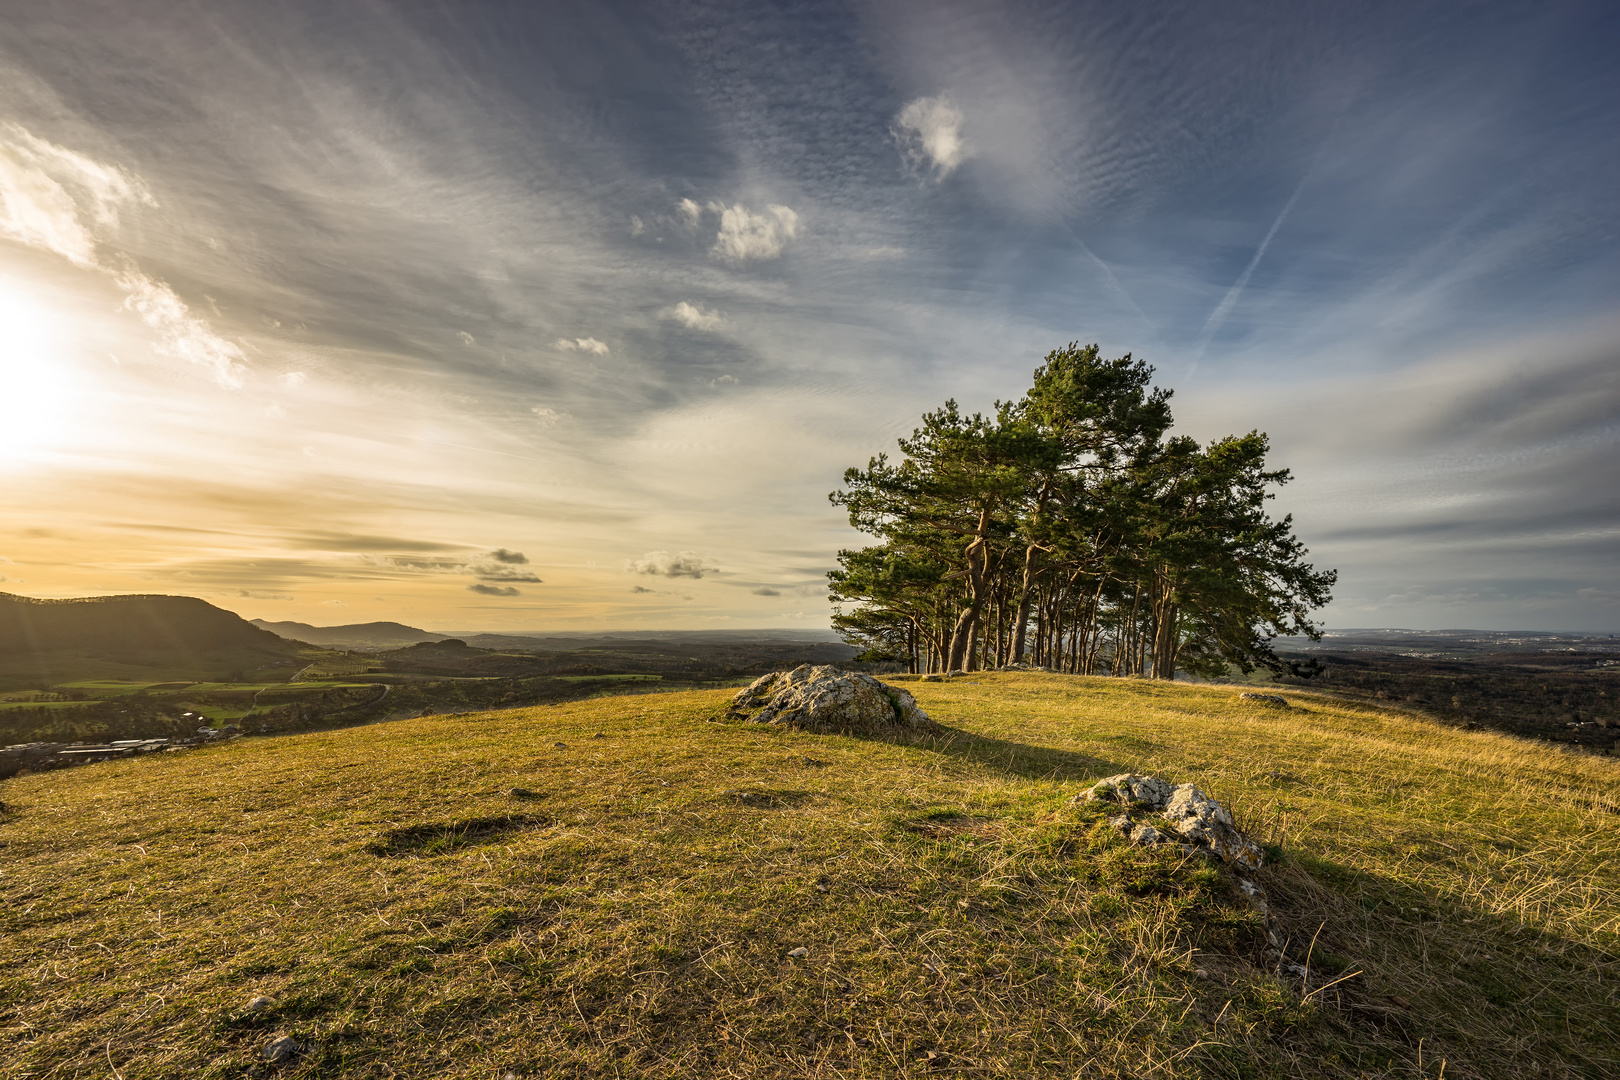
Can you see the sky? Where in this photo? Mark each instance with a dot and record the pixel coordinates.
(569, 316)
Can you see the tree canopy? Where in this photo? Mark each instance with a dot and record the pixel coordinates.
(1066, 529)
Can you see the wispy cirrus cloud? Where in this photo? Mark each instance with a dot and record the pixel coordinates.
(58, 200)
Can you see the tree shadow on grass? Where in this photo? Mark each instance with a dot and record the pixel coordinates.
(1015, 758)
(1417, 968)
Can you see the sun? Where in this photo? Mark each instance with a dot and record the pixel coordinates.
(40, 390)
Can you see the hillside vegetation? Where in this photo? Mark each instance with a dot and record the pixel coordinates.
(155, 638)
(619, 887)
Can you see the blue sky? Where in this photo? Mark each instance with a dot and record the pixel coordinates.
(555, 316)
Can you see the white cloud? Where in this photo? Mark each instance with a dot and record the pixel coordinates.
(690, 211)
(686, 564)
(584, 344)
(637, 226)
(724, 380)
(56, 200)
(929, 131)
(693, 317)
(547, 417)
(294, 378)
(745, 235)
(466, 338)
(182, 335)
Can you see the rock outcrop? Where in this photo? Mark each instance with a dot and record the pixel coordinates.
(827, 700)
(1183, 812)
(1265, 699)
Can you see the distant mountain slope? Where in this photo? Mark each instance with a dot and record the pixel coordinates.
(107, 636)
(371, 635)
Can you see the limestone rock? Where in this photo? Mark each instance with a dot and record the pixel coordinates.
(825, 699)
(1137, 832)
(1265, 699)
(1128, 789)
(1208, 824)
(1187, 813)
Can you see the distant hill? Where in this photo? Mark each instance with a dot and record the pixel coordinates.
(371, 635)
(42, 641)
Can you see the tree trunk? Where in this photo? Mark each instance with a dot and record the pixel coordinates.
(978, 558)
(1166, 635)
(1021, 620)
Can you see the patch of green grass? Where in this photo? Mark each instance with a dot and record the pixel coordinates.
(634, 910)
(45, 704)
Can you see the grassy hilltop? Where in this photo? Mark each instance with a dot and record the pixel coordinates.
(616, 887)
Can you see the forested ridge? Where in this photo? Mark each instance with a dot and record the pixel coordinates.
(1069, 530)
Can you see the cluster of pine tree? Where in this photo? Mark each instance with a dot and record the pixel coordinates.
(1068, 531)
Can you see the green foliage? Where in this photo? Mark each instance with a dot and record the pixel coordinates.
(1068, 513)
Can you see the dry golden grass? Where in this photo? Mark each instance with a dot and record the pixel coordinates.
(633, 907)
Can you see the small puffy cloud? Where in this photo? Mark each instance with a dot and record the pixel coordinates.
(637, 226)
(662, 563)
(333, 603)
(294, 378)
(724, 380)
(547, 417)
(693, 317)
(584, 345)
(493, 590)
(503, 565)
(929, 132)
(466, 338)
(745, 235)
(766, 590)
(256, 594)
(641, 589)
(497, 565)
(690, 212)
